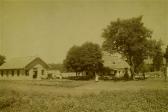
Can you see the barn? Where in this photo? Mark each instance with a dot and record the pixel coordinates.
(27, 68)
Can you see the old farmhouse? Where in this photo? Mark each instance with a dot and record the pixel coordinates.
(117, 64)
(24, 68)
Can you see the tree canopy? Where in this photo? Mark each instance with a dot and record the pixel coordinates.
(129, 37)
(73, 61)
(87, 57)
(166, 55)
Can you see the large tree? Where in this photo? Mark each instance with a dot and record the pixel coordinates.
(129, 37)
(73, 61)
(91, 57)
(86, 57)
(2, 59)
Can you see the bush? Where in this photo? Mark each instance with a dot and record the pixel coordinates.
(79, 78)
(156, 74)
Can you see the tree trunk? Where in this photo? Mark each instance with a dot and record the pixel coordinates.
(165, 72)
(132, 68)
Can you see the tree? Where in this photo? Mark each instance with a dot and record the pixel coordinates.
(129, 37)
(91, 57)
(158, 60)
(86, 57)
(156, 53)
(2, 59)
(166, 55)
(143, 68)
(73, 61)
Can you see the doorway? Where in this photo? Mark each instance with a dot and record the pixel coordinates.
(35, 73)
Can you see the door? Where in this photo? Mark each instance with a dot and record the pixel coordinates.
(35, 73)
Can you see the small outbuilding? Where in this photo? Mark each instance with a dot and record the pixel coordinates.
(27, 68)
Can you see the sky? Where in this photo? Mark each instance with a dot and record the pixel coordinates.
(48, 28)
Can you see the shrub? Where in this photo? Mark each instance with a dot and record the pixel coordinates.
(79, 78)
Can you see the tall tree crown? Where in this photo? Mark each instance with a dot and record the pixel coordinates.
(86, 57)
(126, 36)
(129, 37)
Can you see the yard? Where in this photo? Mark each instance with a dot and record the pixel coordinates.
(84, 96)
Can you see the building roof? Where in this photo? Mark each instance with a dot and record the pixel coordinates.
(18, 63)
(115, 62)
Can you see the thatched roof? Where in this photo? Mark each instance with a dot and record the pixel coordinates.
(115, 62)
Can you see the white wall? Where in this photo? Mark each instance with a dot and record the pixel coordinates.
(39, 72)
(22, 75)
(120, 73)
(55, 73)
(15, 76)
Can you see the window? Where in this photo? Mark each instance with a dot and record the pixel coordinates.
(27, 72)
(13, 72)
(42, 72)
(18, 72)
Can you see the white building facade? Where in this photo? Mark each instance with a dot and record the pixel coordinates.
(27, 68)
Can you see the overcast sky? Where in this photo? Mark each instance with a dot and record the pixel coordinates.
(48, 28)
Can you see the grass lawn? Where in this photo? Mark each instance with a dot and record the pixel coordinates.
(84, 96)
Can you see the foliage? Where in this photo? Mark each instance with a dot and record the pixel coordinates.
(86, 57)
(73, 61)
(158, 61)
(91, 57)
(165, 68)
(144, 68)
(80, 77)
(129, 37)
(156, 53)
(2, 59)
(166, 55)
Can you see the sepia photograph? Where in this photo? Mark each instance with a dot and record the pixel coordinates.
(83, 56)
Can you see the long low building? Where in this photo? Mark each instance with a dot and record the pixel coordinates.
(23, 68)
